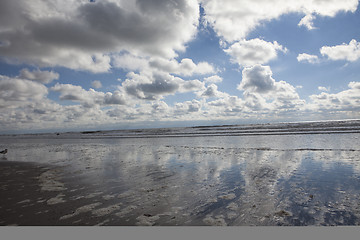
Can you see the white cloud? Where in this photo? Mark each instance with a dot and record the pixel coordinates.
(304, 57)
(186, 67)
(38, 76)
(88, 98)
(149, 87)
(191, 86)
(156, 85)
(130, 62)
(181, 109)
(234, 20)
(213, 79)
(19, 92)
(254, 51)
(115, 98)
(212, 91)
(324, 89)
(226, 106)
(257, 79)
(347, 100)
(82, 34)
(349, 52)
(96, 84)
(160, 106)
(307, 21)
(261, 91)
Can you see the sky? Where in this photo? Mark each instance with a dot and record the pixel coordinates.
(68, 65)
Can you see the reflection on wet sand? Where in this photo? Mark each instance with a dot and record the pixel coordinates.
(284, 180)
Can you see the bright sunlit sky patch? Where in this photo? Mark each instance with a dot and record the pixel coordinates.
(112, 64)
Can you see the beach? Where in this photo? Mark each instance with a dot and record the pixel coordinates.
(299, 174)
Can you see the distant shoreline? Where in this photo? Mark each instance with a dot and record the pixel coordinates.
(282, 128)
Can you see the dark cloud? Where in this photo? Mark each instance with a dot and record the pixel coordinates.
(156, 85)
(79, 37)
(39, 76)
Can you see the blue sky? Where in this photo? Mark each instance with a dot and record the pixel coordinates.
(107, 64)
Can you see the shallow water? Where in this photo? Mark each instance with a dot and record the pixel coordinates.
(293, 179)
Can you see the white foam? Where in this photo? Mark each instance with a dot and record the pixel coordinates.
(83, 209)
(49, 181)
(126, 210)
(56, 200)
(147, 221)
(25, 201)
(217, 221)
(125, 194)
(107, 210)
(108, 197)
(233, 206)
(212, 200)
(229, 196)
(232, 215)
(91, 195)
(103, 222)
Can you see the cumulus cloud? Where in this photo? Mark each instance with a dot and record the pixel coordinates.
(212, 91)
(82, 34)
(261, 91)
(324, 89)
(257, 79)
(156, 85)
(347, 100)
(227, 106)
(150, 87)
(213, 79)
(349, 52)
(17, 92)
(234, 20)
(39, 76)
(304, 57)
(96, 84)
(307, 21)
(186, 67)
(130, 62)
(115, 98)
(88, 98)
(254, 51)
(160, 106)
(191, 86)
(187, 107)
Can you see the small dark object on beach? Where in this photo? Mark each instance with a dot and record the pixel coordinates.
(147, 215)
(4, 151)
(282, 213)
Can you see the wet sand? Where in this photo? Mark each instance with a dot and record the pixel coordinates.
(261, 180)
